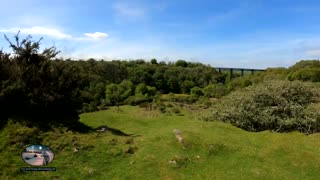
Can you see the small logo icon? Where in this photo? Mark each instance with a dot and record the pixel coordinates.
(37, 155)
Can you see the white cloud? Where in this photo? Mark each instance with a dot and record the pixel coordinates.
(54, 33)
(96, 35)
(38, 30)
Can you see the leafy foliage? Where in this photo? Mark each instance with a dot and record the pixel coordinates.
(306, 74)
(34, 87)
(275, 105)
(196, 91)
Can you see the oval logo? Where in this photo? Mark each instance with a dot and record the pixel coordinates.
(37, 155)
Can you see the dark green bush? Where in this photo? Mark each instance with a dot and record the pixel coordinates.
(281, 106)
(196, 91)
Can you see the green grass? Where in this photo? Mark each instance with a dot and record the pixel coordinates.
(213, 150)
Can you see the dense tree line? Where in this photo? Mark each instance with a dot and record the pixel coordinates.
(37, 86)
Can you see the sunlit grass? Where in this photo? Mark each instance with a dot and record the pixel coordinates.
(213, 150)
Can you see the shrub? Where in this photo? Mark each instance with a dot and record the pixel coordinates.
(196, 91)
(136, 100)
(205, 101)
(141, 89)
(306, 74)
(209, 91)
(161, 107)
(281, 106)
(175, 110)
(90, 107)
(23, 135)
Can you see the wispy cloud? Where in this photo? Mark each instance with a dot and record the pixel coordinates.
(54, 33)
(38, 30)
(96, 35)
(129, 11)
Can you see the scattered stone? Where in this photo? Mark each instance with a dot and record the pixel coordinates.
(178, 135)
(132, 162)
(102, 128)
(198, 157)
(75, 149)
(90, 171)
(173, 162)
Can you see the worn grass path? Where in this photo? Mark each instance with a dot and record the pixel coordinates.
(213, 150)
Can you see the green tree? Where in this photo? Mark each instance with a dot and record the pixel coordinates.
(186, 86)
(38, 89)
(151, 92)
(127, 86)
(196, 91)
(153, 61)
(181, 63)
(114, 93)
(141, 89)
(210, 91)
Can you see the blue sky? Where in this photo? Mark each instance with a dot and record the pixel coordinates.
(227, 33)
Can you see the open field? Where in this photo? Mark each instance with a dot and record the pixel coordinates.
(212, 150)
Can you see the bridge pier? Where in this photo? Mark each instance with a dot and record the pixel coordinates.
(231, 73)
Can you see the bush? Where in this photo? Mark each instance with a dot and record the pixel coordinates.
(21, 135)
(281, 106)
(136, 100)
(196, 91)
(90, 107)
(175, 110)
(306, 74)
(160, 106)
(205, 101)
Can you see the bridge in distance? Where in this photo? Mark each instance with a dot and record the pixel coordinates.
(242, 70)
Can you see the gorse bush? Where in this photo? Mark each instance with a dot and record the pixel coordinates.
(37, 87)
(281, 106)
(306, 74)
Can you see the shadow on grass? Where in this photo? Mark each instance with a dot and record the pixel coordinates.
(47, 124)
(3, 122)
(114, 131)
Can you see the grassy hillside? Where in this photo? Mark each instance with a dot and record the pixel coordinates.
(213, 150)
